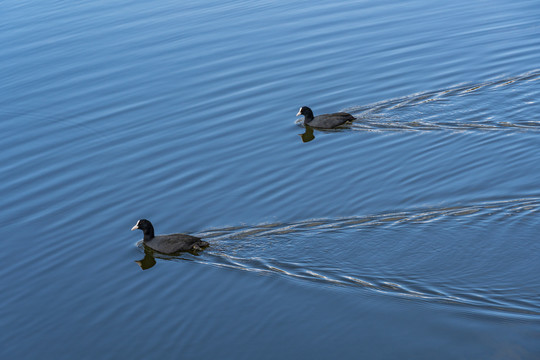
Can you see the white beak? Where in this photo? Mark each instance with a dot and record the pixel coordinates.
(299, 112)
(135, 227)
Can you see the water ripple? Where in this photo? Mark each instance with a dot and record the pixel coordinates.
(462, 107)
(303, 251)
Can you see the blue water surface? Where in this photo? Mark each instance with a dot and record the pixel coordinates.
(410, 233)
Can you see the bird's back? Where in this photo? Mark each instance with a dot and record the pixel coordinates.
(175, 242)
(329, 121)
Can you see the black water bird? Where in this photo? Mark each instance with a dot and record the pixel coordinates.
(168, 244)
(325, 121)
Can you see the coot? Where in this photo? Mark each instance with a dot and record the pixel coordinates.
(326, 121)
(168, 244)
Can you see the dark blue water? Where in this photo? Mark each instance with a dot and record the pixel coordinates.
(411, 233)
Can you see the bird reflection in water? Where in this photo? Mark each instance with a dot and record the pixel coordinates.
(307, 136)
(148, 261)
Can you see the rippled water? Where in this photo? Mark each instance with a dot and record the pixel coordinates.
(411, 233)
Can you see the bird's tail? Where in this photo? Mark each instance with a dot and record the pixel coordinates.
(203, 244)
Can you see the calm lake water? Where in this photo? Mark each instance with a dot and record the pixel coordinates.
(412, 233)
